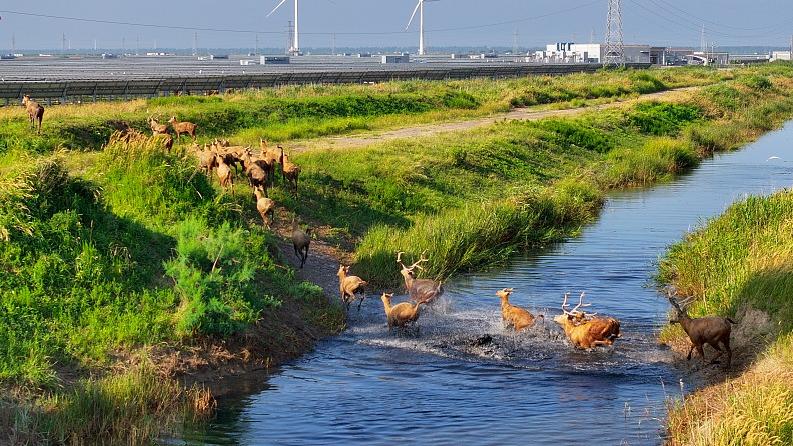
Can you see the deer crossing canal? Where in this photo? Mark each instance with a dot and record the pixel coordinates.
(450, 383)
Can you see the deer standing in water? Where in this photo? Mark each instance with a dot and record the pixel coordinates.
(421, 290)
(583, 329)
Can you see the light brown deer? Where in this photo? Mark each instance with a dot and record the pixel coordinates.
(35, 111)
(420, 290)
(348, 286)
(224, 173)
(401, 314)
(265, 206)
(711, 330)
(289, 170)
(515, 316)
(180, 127)
(583, 329)
(157, 128)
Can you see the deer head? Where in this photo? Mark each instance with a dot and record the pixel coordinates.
(408, 270)
(505, 293)
(574, 316)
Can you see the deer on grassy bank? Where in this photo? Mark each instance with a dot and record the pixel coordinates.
(515, 316)
(583, 329)
(300, 242)
(265, 206)
(711, 330)
(421, 290)
(35, 112)
(348, 286)
(157, 128)
(180, 127)
(224, 173)
(289, 170)
(401, 314)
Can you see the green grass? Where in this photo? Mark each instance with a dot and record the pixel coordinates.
(740, 259)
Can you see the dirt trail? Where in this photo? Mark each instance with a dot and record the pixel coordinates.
(424, 130)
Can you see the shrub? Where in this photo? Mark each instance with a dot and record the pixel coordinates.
(659, 119)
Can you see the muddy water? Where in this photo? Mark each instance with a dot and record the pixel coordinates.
(462, 378)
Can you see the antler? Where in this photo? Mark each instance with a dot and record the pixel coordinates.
(415, 265)
(565, 304)
(575, 311)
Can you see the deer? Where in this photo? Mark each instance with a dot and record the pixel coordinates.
(401, 314)
(265, 206)
(224, 173)
(420, 290)
(271, 157)
(289, 170)
(711, 330)
(517, 317)
(157, 128)
(300, 242)
(348, 286)
(584, 330)
(180, 127)
(207, 160)
(35, 111)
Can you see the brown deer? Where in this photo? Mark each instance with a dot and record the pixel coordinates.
(35, 111)
(300, 242)
(401, 314)
(515, 316)
(711, 330)
(224, 173)
(348, 286)
(289, 170)
(271, 157)
(583, 329)
(265, 206)
(157, 128)
(182, 127)
(420, 290)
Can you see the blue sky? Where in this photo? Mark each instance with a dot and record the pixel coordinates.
(453, 22)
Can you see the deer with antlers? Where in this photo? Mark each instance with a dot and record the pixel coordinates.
(583, 329)
(711, 330)
(424, 291)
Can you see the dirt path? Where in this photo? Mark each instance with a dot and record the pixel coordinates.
(424, 130)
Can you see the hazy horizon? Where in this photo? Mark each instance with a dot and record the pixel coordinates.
(367, 24)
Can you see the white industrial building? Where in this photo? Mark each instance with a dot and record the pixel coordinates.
(568, 52)
(780, 55)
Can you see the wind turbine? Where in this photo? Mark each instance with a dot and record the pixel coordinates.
(419, 6)
(296, 39)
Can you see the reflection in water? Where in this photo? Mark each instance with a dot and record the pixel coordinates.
(446, 383)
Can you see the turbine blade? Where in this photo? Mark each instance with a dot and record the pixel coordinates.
(276, 8)
(415, 10)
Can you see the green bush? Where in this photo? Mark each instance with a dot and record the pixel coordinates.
(656, 118)
(757, 82)
(575, 133)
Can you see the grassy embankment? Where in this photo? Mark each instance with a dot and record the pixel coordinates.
(742, 259)
(472, 200)
(105, 253)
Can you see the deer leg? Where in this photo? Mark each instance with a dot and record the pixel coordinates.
(701, 352)
(691, 350)
(721, 352)
(363, 296)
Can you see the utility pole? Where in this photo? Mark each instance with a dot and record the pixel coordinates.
(195, 43)
(592, 36)
(333, 44)
(614, 43)
(123, 45)
(137, 45)
(94, 47)
(14, 43)
(256, 48)
(63, 43)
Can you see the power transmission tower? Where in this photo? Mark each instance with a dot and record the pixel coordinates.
(14, 43)
(195, 43)
(702, 44)
(256, 48)
(63, 43)
(615, 46)
(515, 42)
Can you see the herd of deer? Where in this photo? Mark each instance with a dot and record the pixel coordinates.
(583, 329)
